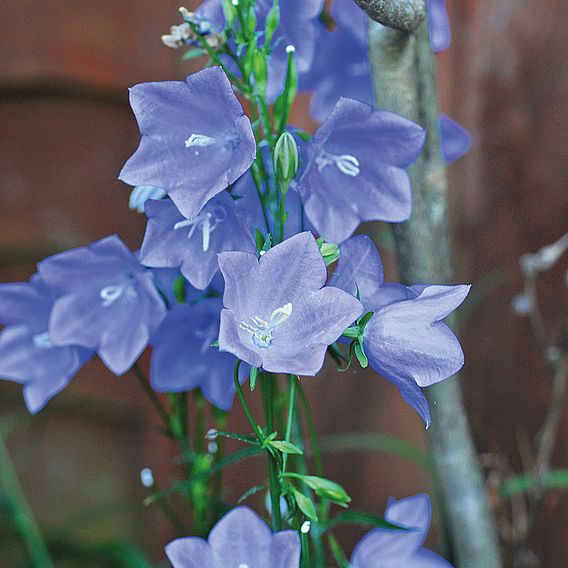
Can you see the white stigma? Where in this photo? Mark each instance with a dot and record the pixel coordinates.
(261, 330)
(345, 163)
(42, 340)
(109, 294)
(200, 140)
(206, 222)
(305, 528)
(290, 49)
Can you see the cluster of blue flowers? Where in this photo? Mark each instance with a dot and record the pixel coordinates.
(203, 275)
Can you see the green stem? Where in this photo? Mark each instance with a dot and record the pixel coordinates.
(154, 399)
(305, 542)
(312, 433)
(290, 421)
(273, 478)
(256, 428)
(21, 511)
(168, 511)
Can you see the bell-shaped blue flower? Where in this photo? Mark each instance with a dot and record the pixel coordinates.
(106, 301)
(173, 241)
(27, 353)
(182, 356)
(356, 169)
(408, 343)
(240, 539)
(455, 140)
(395, 548)
(346, 46)
(278, 315)
(196, 139)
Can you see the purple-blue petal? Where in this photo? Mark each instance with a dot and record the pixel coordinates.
(455, 140)
(439, 25)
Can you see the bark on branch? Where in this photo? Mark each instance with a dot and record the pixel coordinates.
(402, 15)
(404, 78)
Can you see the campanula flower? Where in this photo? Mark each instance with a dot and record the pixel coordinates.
(355, 170)
(299, 27)
(439, 25)
(196, 139)
(395, 548)
(408, 344)
(171, 240)
(346, 46)
(182, 356)
(278, 315)
(27, 354)
(106, 301)
(454, 138)
(241, 539)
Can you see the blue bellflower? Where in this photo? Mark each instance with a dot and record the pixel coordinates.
(350, 75)
(196, 139)
(182, 356)
(278, 315)
(173, 241)
(241, 539)
(356, 169)
(395, 548)
(106, 301)
(405, 340)
(27, 354)
(298, 27)
(439, 25)
(455, 140)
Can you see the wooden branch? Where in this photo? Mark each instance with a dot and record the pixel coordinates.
(402, 15)
(404, 78)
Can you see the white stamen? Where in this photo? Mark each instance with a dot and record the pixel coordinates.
(147, 477)
(200, 140)
(110, 294)
(305, 528)
(261, 330)
(206, 221)
(42, 340)
(345, 163)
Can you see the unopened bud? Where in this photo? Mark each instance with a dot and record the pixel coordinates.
(147, 477)
(212, 434)
(306, 526)
(272, 23)
(286, 159)
(330, 252)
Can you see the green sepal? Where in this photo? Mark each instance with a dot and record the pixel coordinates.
(253, 377)
(365, 319)
(215, 343)
(305, 504)
(258, 239)
(180, 289)
(360, 354)
(267, 243)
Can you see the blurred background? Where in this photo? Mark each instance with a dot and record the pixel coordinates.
(65, 131)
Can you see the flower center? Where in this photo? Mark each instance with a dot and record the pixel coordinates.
(230, 140)
(206, 222)
(345, 163)
(126, 289)
(42, 340)
(261, 330)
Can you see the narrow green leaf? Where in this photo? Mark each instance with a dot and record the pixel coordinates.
(305, 504)
(323, 487)
(360, 354)
(250, 492)
(286, 447)
(554, 479)
(352, 517)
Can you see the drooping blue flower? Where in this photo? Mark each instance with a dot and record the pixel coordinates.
(299, 27)
(454, 138)
(196, 139)
(278, 315)
(182, 356)
(395, 548)
(106, 301)
(27, 354)
(346, 46)
(240, 539)
(439, 25)
(173, 241)
(408, 343)
(355, 170)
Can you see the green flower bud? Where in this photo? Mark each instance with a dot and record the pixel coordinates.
(260, 70)
(286, 158)
(272, 22)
